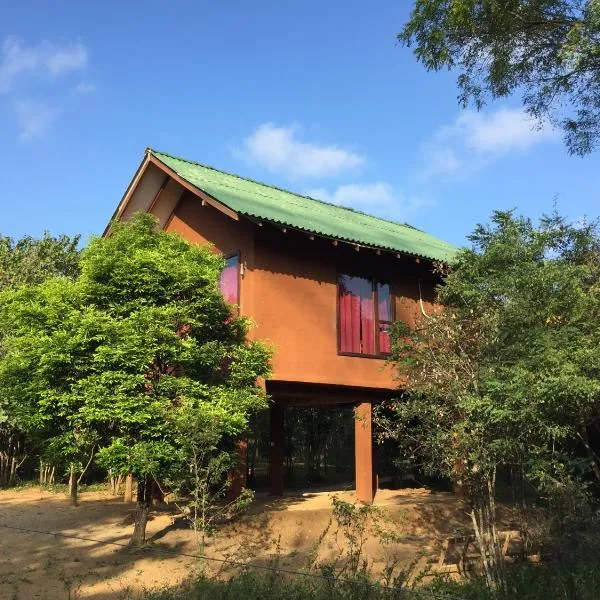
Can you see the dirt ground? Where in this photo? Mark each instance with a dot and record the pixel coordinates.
(34, 565)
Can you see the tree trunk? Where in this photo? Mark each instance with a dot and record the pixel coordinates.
(73, 486)
(583, 436)
(128, 497)
(483, 517)
(144, 503)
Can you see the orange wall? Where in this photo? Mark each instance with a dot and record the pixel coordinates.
(289, 289)
(296, 305)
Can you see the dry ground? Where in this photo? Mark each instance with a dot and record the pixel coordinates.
(38, 566)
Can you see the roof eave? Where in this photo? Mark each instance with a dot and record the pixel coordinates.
(128, 193)
(206, 198)
(280, 225)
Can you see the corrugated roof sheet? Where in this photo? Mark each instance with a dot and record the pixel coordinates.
(268, 203)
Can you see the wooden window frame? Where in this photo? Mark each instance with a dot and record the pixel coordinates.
(226, 257)
(374, 296)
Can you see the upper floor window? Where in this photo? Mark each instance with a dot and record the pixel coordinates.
(229, 280)
(365, 313)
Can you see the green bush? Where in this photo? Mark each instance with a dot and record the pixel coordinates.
(529, 582)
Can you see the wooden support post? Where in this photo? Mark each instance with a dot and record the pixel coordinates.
(238, 476)
(363, 453)
(277, 450)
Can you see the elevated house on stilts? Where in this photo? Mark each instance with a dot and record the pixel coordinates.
(322, 284)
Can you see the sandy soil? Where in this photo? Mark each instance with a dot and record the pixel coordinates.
(33, 565)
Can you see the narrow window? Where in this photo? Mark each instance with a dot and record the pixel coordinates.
(384, 317)
(229, 280)
(356, 315)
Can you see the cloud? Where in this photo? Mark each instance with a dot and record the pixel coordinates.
(379, 198)
(45, 59)
(63, 60)
(85, 88)
(476, 139)
(279, 149)
(30, 73)
(34, 119)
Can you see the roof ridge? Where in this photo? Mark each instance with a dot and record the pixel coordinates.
(274, 187)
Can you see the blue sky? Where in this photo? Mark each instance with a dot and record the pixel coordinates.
(315, 97)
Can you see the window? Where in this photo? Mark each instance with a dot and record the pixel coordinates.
(365, 314)
(229, 280)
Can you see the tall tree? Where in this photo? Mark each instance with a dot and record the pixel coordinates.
(28, 261)
(548, 50)
(140, 337)
(508, 372)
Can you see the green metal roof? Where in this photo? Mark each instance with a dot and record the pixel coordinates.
(268, 203)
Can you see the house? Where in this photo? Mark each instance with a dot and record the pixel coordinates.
(322, 284)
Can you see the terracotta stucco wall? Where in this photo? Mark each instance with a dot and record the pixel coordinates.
(296, 305)
(289, 289)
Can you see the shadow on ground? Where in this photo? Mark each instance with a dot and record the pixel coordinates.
(286, 530)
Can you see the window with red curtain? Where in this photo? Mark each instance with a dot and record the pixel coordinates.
(384, 316)
(229, 280)
(365, 315)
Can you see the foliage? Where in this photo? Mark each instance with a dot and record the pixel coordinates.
(202, 476)
(548, 49)
(525, 583)
(508, 373)
(28, 261)
(141, 341)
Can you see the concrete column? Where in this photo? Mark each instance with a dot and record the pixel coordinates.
(277, 450)
(363, 453)
(238, 476)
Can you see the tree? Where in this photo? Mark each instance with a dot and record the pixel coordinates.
(508, 372)
(47, 339)
(140, 336)
(204, 442)
(547, 49)
(28, 261)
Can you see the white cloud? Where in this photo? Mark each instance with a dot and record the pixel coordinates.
(28, 67)
(34, 118)
(279, 149)
(73, 57)
(475, 139)
(45, 59)
(85, 88)
(379, 198)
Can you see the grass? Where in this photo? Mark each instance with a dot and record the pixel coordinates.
(524, 583)
(59, 487)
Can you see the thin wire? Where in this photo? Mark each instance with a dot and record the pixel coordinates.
(240, 564)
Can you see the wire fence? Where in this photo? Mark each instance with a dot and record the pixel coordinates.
(248, 566)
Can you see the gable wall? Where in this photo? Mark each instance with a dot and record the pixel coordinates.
(206, 225)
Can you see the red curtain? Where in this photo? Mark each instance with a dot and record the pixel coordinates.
(349, 322)
(229, 281)
(367, 322)
(357, 328)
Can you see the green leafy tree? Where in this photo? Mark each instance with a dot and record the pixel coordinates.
(142, 336)
(508, 372)
(28, 261)
(549, 50)
(47, 338)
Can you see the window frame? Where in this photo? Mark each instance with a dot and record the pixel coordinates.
(375, 282)
(226, 257)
